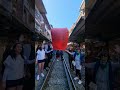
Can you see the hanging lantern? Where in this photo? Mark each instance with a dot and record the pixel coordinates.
(59, 38)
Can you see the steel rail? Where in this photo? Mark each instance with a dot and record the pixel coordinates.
(48, 75)
(69, 77)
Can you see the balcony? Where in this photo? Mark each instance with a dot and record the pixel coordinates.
(37, 27)
(43, 31)
(28, 6)
(39, 17)
(47, 33)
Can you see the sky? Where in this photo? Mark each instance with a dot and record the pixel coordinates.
(62, 13)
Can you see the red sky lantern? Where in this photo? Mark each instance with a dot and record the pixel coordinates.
(59, 38)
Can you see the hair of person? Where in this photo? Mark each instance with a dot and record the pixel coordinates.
(37, 47)
(6, 52)
(40, 46)
(13, 54)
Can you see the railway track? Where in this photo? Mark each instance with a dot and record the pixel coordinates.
(58, 77)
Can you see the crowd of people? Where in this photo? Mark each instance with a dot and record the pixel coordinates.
(76, 59)
(100, 64)
(19, 62)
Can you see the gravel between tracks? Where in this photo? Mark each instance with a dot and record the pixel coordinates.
(58, 79)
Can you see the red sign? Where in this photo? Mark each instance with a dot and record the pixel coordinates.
(59, 38)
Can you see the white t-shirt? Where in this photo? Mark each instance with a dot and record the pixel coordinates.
(14, 69)
(40, 54)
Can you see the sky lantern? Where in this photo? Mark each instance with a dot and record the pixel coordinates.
(59, 38)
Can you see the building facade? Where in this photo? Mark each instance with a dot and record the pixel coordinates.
(78, 28)
(42, 26)
(26, 17)
(17, 16)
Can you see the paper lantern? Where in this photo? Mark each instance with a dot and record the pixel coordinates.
(59, 38)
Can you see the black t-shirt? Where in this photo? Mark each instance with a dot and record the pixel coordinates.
(49, 48)
(70, 56)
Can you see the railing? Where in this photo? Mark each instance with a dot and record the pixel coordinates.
(44, 31)
(38, 29)
(38, 17)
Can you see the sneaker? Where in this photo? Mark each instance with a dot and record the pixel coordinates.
(42, 75)
(79, 82)
(38, 77)
(76, 78)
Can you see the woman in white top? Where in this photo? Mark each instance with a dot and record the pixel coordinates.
(40, 59)
(14, 69)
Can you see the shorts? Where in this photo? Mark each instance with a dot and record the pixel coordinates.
(40, 61)
(14, 83)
